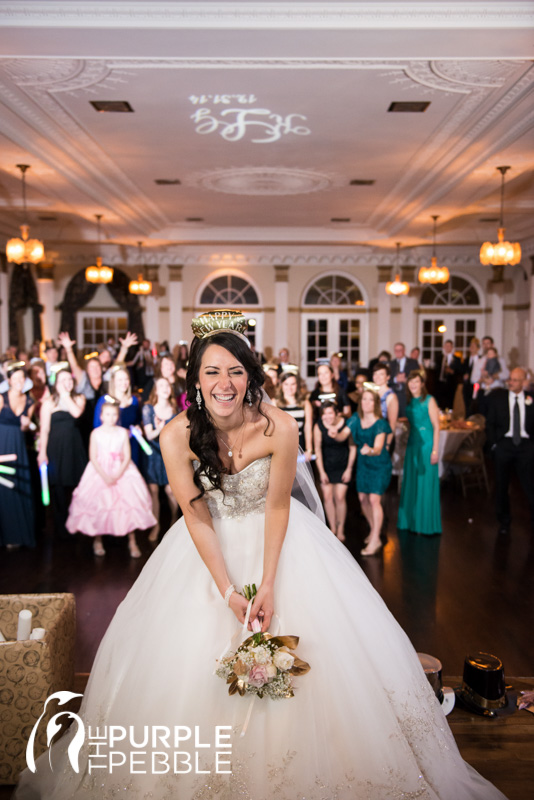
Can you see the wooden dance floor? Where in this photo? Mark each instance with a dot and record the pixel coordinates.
(467, 590)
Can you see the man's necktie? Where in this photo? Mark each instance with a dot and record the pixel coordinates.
(516, 424)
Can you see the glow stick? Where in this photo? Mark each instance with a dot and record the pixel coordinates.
(144, 445)
(302, 458)
(45, 491)
(7, 470)
(8, 484)
(9, 457)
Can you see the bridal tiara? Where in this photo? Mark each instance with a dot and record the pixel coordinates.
(224, 320)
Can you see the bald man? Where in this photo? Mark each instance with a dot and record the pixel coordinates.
(510, 432)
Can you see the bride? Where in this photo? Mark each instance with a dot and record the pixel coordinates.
(363, 722)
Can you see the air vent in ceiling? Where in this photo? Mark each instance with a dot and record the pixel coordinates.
(167, 181)
(410, 107)
(488, 219)
(47, 219)
(340, 219)
(361, 182)
(108, 106)
(194, 219)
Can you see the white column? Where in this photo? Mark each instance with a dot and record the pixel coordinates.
(408, 326)
(530, 336)
(152, 305)
(45, 292)
(383, 303)
(4, 307)
(497, 308)
(281, 309)
(175, 291)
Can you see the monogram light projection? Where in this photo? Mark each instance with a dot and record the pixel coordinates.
(235, 124)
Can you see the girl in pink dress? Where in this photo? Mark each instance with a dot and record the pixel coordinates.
(111, 497)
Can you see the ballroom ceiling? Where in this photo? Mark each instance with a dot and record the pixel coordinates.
(269, 121)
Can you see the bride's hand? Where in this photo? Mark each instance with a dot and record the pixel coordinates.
(238, 604)
(263, 607)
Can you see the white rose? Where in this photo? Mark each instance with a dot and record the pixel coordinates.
(261, 655)
(271, 671)
(283, 660)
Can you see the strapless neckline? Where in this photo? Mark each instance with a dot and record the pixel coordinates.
(241, 471)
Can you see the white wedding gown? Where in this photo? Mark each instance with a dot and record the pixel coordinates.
(364, 722)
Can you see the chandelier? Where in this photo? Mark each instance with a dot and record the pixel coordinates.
(397, 287)
(140, 286)
(24, 250)
(433, 274)
(501, 253)
(99, 273)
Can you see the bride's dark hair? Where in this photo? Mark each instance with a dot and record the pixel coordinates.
(203, 438)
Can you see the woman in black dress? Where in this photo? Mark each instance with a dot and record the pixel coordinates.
(327, 388)
(335, 453)
(17, 521)
(61, 446)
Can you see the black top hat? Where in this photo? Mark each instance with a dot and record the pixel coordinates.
(483, 690)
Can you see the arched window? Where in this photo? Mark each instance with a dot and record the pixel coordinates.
(229, 290)
(456, 292)
(333, 290)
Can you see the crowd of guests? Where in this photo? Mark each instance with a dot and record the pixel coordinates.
(92, 426)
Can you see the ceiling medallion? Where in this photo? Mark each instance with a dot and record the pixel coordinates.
(263, 181)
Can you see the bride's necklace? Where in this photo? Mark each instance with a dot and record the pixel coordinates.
(230, 447)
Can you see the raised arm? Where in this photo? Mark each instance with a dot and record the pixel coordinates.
(68, 343)
(129, 341)
(174, 442)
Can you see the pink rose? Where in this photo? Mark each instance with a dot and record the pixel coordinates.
(258, 676)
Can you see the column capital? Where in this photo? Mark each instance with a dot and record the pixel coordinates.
(408, 274)
(497, 274)
(45, 271)
(175, 272)
(151, 272)
(384, 274)
(281, 273)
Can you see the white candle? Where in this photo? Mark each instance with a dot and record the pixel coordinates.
(25, 625)
(38, 633)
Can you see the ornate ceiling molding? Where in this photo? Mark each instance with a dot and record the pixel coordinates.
(275, 15)
(263, 181)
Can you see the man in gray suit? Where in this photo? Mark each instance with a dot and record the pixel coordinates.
(400, 367)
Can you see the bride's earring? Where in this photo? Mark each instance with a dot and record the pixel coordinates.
(249, 397)
(199, 400)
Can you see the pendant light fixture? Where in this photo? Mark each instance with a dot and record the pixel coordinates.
(397, 287)
(24, 250)
(433, 274)
(140, 286)
(99, 273)
(501, 253)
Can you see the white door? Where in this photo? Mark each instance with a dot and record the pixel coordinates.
(324, 334)
(434, 330)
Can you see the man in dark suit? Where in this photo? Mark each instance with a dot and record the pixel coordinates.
(510, 433)
(400, 367)
(448, 376)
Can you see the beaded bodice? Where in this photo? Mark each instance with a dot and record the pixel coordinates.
(244, 492)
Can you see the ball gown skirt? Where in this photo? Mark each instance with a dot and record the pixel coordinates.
(364, 722)
(121, 508)
(419, 505)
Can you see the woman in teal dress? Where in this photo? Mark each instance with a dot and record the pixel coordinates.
(419, 508)
(373, 465)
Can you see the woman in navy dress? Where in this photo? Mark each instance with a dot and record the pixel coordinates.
(159, 410)
(17, 521)
(373, 466)
(120, 388)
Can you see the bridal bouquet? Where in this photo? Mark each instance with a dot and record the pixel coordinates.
(262, 664)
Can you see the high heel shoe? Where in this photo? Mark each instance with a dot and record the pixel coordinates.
(374, 551)
(98, 549)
